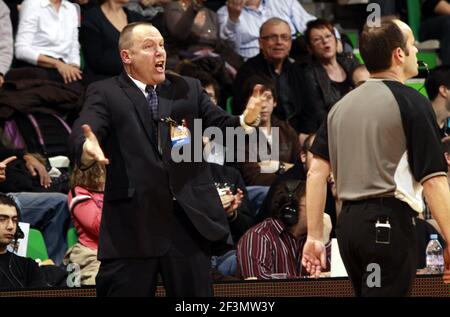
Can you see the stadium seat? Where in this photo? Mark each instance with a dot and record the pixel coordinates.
(36, 246)
(72, 237)
(414, 16)
(230, 105)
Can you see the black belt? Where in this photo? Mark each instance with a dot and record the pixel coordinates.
(383, 201)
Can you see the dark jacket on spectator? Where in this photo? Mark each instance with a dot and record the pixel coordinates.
(290, 106)
(36, 95)
(100, 44)
(321, 94)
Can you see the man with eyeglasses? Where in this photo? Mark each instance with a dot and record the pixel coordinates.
(273, 61)
(240, 21)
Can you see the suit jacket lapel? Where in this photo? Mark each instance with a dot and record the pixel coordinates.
(140, 103)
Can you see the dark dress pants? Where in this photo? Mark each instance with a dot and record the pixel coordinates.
(185, 269)
(365, 258)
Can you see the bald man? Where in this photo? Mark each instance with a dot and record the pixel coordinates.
(382, 144)
(159, 216)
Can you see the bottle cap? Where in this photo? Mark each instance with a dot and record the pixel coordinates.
(433, 236)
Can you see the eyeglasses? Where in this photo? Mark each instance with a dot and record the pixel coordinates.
(318, 39)
(275, 37)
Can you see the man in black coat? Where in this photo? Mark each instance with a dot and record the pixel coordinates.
(159, 216)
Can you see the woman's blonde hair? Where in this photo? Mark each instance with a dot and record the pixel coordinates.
(91, 178)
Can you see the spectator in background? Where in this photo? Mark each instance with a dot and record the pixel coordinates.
(187, 68)
(436, 25)
(437, 85)
(45, 211)
(194, 35)
(298, 172)
(6, 42)
(48, 37)
(99, 37)
(147, 8)
(240, 21)
(273, 61)
(446, 143)
(86, 204)
(329, 76)
(266, 170)
(192, 26)
(15, 271)
(273, 248)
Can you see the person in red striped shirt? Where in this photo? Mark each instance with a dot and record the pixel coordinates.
(273, 248)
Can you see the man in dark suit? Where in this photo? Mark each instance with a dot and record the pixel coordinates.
(159, 216)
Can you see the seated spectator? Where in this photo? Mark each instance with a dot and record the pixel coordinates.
(15, 271)
(6, 42)
(45, 211)
(329, 76)
(273, 61)
(194, 29)
(437, 85)
(273, 248)
(193, 34)
(48, 37)
(148, 8)
(240, 215)
(266, 170)
(296, 173)
(99, 38)
(86, 204)
(240, 21)
(436, 25)
(187, 68)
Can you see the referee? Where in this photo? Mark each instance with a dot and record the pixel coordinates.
(382, 143)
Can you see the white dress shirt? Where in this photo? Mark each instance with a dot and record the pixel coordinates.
(6, 39)
(45, 31)
(245, 33)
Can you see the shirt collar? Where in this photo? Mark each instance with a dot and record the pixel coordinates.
(46, 3)
(279, 226)
(262, 6)
(140, 85)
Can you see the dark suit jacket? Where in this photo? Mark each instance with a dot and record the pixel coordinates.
(142, 179)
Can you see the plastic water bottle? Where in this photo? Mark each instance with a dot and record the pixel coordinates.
(435, 256)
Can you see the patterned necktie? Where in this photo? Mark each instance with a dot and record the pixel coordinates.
(152, 100)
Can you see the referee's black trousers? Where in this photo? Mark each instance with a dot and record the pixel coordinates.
(378, 269)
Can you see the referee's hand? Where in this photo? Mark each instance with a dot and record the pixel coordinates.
(314, 257)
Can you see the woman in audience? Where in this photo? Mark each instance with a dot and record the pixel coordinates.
(194, 30)
(329, 75)
(48, 37)
(85, 205)
(99, 37)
